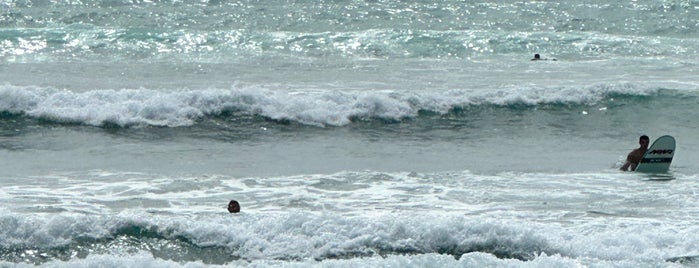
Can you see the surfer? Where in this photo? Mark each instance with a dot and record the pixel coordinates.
(635, 156)
(233, 206)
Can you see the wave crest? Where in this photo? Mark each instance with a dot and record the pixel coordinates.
(292, 237)
(145, 107)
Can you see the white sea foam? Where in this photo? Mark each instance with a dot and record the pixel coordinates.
(144, 259)
(357, 217)
(300, 238)
(174, 108)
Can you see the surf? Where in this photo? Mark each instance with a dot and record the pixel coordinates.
(181, 107)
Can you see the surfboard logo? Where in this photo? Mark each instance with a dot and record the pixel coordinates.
(656, 160)
(666, 151)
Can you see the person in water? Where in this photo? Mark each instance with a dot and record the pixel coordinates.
(233, 206)
(635, 156)
(538, 57)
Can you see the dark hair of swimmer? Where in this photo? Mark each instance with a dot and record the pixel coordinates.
(233, 206)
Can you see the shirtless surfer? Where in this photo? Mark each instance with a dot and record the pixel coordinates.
(635, 156)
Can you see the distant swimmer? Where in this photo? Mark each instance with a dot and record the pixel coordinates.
(538, 57)
(233, 206)
(635, 156)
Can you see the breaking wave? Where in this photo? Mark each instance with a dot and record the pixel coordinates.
(145, 107)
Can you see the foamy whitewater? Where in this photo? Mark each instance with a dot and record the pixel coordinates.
(353, 133)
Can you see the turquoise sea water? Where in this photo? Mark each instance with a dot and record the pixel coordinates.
(353, 133)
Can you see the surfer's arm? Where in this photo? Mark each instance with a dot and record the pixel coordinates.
(628, 166)
(625, 167)
(631, 161)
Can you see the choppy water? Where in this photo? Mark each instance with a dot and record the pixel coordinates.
(353, 133)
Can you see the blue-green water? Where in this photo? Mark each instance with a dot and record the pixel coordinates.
(353, 133)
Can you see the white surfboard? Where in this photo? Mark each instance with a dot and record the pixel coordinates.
(659, 156)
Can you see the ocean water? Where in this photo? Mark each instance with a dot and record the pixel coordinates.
(353, 133)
